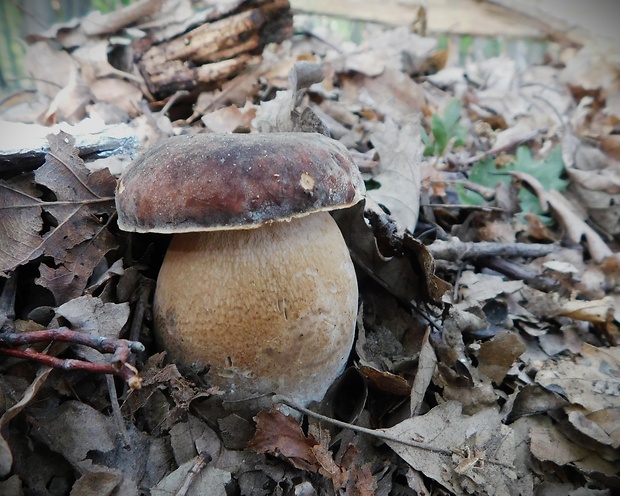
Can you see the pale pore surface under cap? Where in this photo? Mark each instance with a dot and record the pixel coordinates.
(271, 309)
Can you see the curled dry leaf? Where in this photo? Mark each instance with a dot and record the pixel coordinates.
(279, 434)
(69, 104)
(6, 457)
(230, 119)
(424, 374)
(399, 177)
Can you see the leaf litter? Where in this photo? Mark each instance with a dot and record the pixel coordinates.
(492, 371)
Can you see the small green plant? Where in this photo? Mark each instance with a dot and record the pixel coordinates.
(486, 173)
(445, 128)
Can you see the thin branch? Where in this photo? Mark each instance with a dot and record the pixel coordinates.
(462, 206)
(126, 371)
(101, 344)
(380, 434)
(119, 348)
(499, 149)
(116, 411)
(363, 430)
(455, 250)
(203, 459)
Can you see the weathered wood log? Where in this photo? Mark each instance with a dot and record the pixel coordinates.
(211, 53)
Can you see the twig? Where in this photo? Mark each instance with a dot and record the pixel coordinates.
(363, 430)
(485, 192)
(499, 149)
(519, 273)
(101, 344)
(455, 250)
(144, 293)
(127, 371)
(203, 459)
(462, 206)
(116, 411)
(120, 348)
(381, 434)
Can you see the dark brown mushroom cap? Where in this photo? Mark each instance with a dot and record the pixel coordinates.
(206, 182)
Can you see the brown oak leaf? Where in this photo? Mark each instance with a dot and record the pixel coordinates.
(69, 230)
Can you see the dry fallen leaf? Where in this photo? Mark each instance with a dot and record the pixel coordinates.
(427, 362)
(466, 454)
(591, 380)
(91, 315)
(497, 355)
(279, 434)
(399, 177)
(6, 458)
(71, 229)
(550, 444)
(208, 480)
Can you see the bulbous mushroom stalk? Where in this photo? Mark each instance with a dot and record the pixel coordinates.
(257, 283)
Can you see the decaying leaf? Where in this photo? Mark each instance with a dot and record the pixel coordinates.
(550, 444)
(466, 454)
(70, 229)
(279, 434)
(591, 381)
(497, 355)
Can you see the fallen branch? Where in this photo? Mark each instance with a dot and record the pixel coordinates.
(455, 250)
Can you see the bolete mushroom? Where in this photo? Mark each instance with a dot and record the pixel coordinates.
(257, 283)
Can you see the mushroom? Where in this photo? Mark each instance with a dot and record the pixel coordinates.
(257, 283)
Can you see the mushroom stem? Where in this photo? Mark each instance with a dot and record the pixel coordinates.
(269, 309)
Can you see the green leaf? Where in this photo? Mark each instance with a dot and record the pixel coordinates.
(452, 114)
(429, 144)
(484, 173)
(439, 133)
(548, 172)
(445, 128)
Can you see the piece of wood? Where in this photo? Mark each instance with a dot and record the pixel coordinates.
(442, 16)
(213, 52)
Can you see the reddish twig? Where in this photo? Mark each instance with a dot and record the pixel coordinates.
(119, 348)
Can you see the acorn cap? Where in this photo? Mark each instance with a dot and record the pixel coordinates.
(205, 182)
